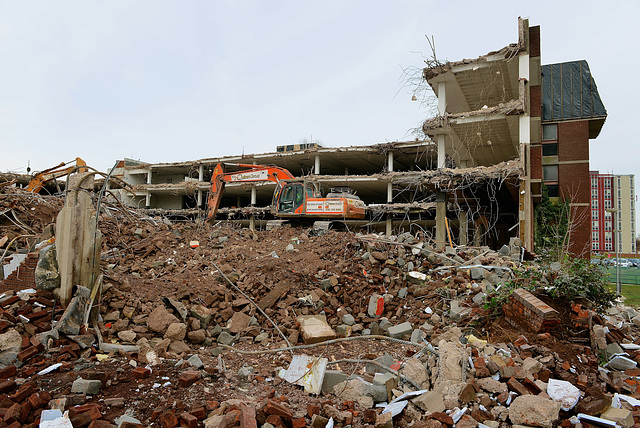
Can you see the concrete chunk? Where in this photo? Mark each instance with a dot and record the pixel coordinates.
(400, 330)
(314, 328)
(84, 386)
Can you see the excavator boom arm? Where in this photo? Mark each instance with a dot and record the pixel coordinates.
(38, 181)
(248, 174)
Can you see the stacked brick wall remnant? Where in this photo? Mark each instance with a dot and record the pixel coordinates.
(23, 277)
(527, 311)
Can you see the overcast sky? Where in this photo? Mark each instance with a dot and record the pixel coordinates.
(167, 81)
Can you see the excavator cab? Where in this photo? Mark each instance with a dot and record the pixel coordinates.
(291, 196)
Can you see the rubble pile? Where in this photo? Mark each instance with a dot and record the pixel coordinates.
(219, 326)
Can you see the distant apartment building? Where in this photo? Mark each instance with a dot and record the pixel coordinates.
(613, 213)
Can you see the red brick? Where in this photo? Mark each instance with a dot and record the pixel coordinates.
(13, 413)
(81, 420)
(248, 417)
(275, 420)
(299, 423)
(7, 386)
(168, 419)
(100, 423)
(313, 409)
(141, 372)
(274, 408)
(199, 412)
(187, 420)
(130, 425)
(187, 378)
(516, 386)
(442, 417)
(27, 353)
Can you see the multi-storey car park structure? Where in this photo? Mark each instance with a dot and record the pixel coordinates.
(506, 126)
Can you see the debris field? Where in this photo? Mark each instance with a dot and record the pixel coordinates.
(199, 325)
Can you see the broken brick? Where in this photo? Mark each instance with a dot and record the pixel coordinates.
(141, 372)
(274, 408)
(187, 420)
(187, 378)
(168, 419)
(8, 372)
(199, 412)
(516, 386)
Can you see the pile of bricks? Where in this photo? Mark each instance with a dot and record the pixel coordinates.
(23, 277)
(527, 311)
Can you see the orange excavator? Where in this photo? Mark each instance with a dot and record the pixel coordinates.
(40, 179)
(293, 198)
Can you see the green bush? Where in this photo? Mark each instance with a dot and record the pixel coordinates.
(578, 278)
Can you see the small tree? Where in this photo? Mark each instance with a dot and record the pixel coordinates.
(552, 226)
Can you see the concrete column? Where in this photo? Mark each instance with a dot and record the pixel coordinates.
(77, 238)
(524, 137)
(389, 222)
(441, 151)
(390, 161)
(441, 214)
(463, 228)
(442, 109)
(147, 202)
(316, 168)
(199, 198)
(201, 173)
(254, 196)
(149, 176)
(442, 98)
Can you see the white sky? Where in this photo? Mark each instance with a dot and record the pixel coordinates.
(167, 81)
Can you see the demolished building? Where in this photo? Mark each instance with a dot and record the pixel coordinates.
(506, 127)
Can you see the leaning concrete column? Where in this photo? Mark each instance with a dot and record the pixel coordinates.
(254, 199)
(316, 167)
(441, 214)
(389, 222)
(463, 228)
(78, 242)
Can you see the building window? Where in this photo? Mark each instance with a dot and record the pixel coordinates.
(608, 246)
(607, 183)
(553, 190)
(550, 149)
(607, 204)
(594, 193)
(594, 182)
(594, 225)
(607, 193)
(594, 214)
(594, 236)
(550, 172)
(594, 204)
(549, 132)
(595, 246)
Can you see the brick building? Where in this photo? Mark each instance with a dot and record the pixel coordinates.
(506, 105)
(612, 213)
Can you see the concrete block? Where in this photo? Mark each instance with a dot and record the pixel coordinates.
(430, 402)
(400, 330)
(331, 379)
(84, 386)
(314, 328)
(376, 306)
(622, 417)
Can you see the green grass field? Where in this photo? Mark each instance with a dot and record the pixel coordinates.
(627, 275)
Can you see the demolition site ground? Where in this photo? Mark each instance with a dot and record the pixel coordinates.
(217, 325)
